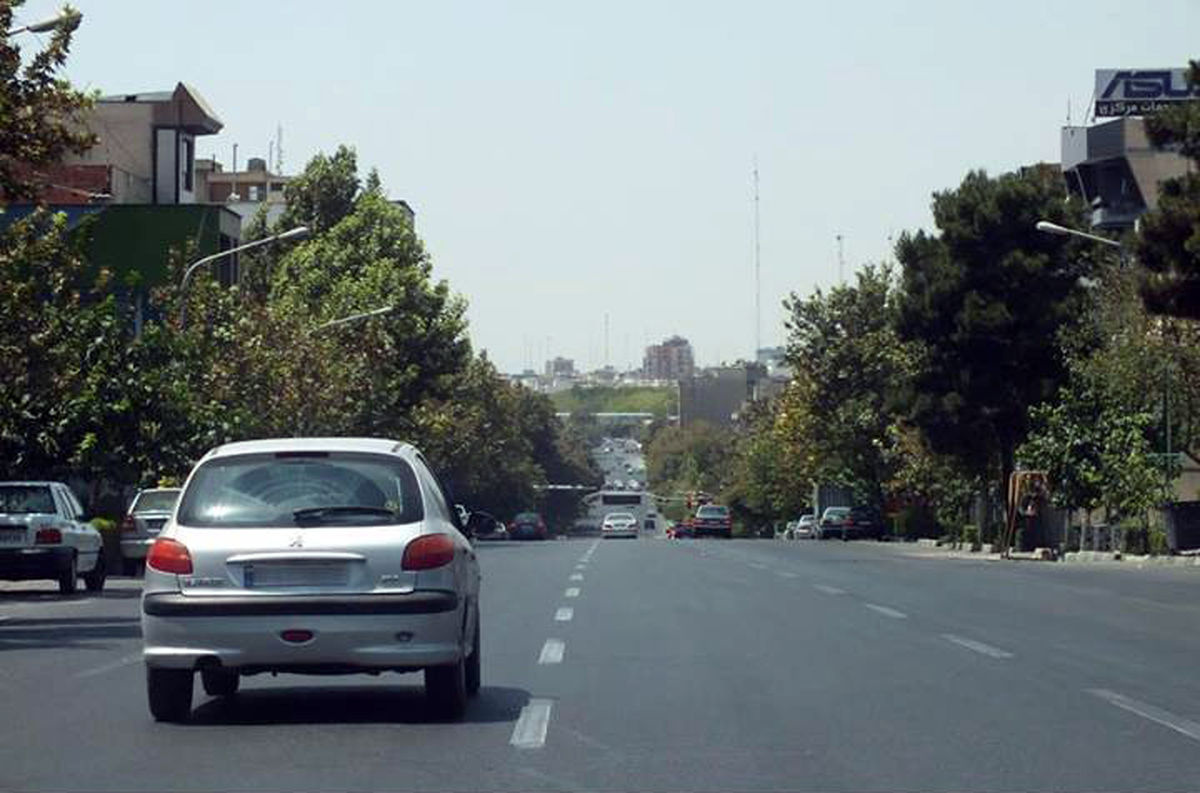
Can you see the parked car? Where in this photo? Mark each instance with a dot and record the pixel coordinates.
(849, 523)
(147, 514)
(619, 524)
(833, 523)
(485, 526)
(527, 526)
(712, 520)
(310, 556)
(43, 535)
(806, 526)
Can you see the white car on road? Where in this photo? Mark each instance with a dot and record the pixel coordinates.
(619, 524)
(311, 556)
(43, 535)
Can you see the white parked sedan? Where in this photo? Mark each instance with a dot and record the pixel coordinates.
(619, 524)
(43, 535)
(311, 556)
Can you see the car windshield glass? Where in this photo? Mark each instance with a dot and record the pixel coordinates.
(156, 501)
(526, 517)
(620, 516)
(712, 512)
(837, 512)
(276, 491)
(26, 498)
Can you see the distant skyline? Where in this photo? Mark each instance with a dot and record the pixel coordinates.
(568, 160)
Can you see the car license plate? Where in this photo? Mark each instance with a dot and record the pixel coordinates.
(295, 574)
(12, 536)
(155, 526)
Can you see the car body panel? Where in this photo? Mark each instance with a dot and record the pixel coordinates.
(22, 558)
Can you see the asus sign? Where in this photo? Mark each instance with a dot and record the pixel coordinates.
(1139, 92)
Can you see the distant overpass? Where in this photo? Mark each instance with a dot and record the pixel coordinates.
(620, 418)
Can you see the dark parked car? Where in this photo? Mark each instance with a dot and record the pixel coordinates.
(849, 523)
(712, 521)
(527, 526)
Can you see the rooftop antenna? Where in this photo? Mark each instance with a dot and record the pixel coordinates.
(606, 362)
(279, 148)
(841, 260)
(757, 271)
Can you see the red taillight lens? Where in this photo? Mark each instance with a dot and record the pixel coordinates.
(169, 556)
(428, 552)
(127, 524)
(48, 536)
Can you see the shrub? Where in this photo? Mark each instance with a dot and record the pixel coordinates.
(970, 535)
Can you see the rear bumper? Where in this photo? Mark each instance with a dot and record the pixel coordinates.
(627, 533)
(25, 564)
(353, 636)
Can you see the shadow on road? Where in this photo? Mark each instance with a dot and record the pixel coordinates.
(54, 596)
(61, 633)
(352, 705)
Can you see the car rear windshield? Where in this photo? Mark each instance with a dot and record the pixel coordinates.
(291, 490)
(156, 501)
(26, 498)
(526, 517)
(712, 512)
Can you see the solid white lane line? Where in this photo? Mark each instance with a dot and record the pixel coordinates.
(564, 614)
(979, 647)
(829, 590)
(530, 730)
(887, 612)
(1155, 714)
(576, 576)
(552, 651)
(572, 592)
(109, 667)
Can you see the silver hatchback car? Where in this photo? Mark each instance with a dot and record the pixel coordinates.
(311, 556)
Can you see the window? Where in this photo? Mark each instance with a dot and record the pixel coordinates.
(253, 191)
(276, 187)
(290, 489)
(189, 163)
(15, 499)
(155, 501)
(439, 503)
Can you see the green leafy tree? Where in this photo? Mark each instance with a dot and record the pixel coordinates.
(40, 113)
(1168, 243)
(985, 299)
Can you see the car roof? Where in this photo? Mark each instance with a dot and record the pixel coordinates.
(33, 483)
(274, 445)
(144, 491)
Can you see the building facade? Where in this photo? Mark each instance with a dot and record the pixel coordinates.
(671, 360)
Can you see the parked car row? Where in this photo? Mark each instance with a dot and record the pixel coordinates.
(842, 523)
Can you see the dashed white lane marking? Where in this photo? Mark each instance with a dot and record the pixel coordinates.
(581, 566)
(1155, 714)
(758, 566)
(572, 592)
(530, 730)
(109, 667)
(552, 651)
(887, 612)
(787, 574)
(979, 647)
(576, 576)
(829, 590)
(564, 614)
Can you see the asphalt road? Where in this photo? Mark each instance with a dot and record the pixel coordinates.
(656, 665)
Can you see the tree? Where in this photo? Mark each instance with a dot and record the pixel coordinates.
(1168, 243)
(986, 299)
(692, 458)
(40, 113)
(849, 366)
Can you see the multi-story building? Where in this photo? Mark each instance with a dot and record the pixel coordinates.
(560, 367)
(244, 192)
(718, 395)
(1112, 164)
(671, 360)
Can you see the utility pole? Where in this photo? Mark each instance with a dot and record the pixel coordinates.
(757, 272)
(841, 260)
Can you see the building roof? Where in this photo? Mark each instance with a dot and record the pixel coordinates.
(182, 107)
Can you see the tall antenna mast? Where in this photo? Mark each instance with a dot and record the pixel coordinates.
(279, 148)
(841, 260)
(757, 271)
(606, 362)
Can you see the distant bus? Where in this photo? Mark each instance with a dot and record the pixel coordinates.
(637, 502)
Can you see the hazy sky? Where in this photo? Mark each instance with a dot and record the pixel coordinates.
(568, 160)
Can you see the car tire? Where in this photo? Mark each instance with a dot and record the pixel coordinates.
(169, 692)
(446, 689)
(94, 578)
(474, 670)
(68, 581)
(219, 682)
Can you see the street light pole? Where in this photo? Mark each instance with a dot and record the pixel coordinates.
(355, 317)
(300, 232)
(68, 20)
(1047, 227)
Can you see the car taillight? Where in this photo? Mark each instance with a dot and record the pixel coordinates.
(169, 556)
(127, 524)
(428, 552)
(48, 536)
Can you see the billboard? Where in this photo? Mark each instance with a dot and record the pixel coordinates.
(1139, 92)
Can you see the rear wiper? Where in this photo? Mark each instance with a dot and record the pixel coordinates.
(316, 513)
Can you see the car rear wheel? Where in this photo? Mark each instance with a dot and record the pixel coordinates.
(446, 689)
(94, 578)
(170, 693)
(474, 670)
(68, 581)
(219, 682)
